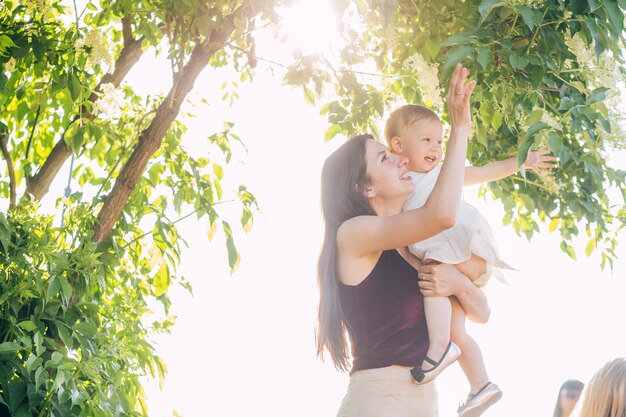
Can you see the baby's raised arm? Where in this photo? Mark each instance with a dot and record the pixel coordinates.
(493, 171)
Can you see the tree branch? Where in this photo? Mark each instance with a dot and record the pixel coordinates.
(127, 31)
(150, 139)
(12, 182)
(38, 185)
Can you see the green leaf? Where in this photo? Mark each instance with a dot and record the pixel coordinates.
(14, 394)
(9, 347)
(527, 15)
(332, 131)
(496, 120)
(536, 128)
(579, 7)
(456, 55)
(615, 15)
(53, 286)
(5, 43)
(40, 375)
(598, 94)
(33, 362)
(85, 329)
(65, 287)
(5, 233)
(458, 39)
(554, 224)
(74, 86)
(591, 245)
(483, 56)
(518, 61)
(536, 76)
(309, 95)
(233, 254)
(65, 335)
(486, 6)
(522, 154)
(27, 325)
(555, 141)
(162, 280)
(218, 170)
(569, 250)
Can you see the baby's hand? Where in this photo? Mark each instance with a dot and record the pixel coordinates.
(539, 159)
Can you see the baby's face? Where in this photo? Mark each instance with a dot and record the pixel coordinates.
(421, 143)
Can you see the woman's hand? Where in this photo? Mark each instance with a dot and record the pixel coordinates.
(458, 98)
(443, 280)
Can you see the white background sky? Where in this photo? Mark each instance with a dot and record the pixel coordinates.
(243, 345)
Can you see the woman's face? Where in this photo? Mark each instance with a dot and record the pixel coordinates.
(568, 397)
(388, 172)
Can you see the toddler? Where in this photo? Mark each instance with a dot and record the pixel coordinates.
(416, 132)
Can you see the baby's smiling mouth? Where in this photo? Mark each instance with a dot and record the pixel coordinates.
(431, 158)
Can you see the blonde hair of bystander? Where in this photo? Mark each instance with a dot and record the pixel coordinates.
(605, 395)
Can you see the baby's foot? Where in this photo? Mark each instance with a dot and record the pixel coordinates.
(435, 350)
(476, 404)
(448, 357)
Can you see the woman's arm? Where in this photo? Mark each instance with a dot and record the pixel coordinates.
(443, 280)
(365, 235)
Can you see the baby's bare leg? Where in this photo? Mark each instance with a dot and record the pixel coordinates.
(473, 268)
(471, 359)
(438, 318)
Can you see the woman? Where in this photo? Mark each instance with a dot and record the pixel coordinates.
(569, 393)
(605, 395)
(369, 291)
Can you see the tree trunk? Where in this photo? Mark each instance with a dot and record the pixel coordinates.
(10, 170)
(151, 138)
(38, 185)
(149, 142)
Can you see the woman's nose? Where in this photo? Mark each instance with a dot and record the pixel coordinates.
(402, 160)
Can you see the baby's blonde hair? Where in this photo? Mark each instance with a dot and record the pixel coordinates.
(404, 116)
(605, 395)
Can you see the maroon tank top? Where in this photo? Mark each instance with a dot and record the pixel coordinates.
(384, 315)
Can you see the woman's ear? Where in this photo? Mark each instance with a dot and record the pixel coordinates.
(396, 145)
(367, 191)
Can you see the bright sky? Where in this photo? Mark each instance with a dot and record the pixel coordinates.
(243, 345)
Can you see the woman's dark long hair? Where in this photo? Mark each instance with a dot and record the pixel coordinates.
(344, 177)
(570, 384)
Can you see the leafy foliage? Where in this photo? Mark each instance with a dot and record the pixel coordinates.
(73, 338)
(74, 305)
(548, 74)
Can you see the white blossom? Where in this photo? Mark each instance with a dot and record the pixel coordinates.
(41, 6)
(110, 102)
(602, 71)
(533, 4)
(427, 76)
(99, 53)
(390, 38)
(551, 184)
(549, 120)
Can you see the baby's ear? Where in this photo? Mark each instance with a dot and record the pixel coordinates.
(396, 145)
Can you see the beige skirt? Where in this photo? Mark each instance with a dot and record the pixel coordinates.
(388, 392)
